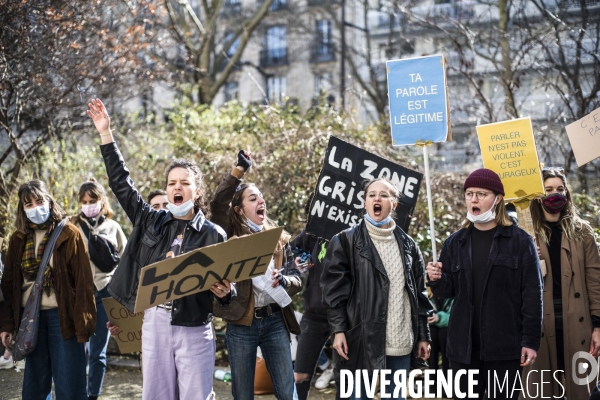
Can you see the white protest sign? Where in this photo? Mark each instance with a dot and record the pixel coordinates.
(584, 136)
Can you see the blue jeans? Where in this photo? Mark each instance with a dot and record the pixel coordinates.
(54, 359)
(272, 336)
(97, 346)
(393, 363)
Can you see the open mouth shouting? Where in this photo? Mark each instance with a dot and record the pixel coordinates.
(377, 210)
(475, 210)
(260, 213)
(178, 199)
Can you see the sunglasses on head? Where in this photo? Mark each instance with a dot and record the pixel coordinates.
(557, 169)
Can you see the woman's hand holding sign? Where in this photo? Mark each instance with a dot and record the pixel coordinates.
(434, 271)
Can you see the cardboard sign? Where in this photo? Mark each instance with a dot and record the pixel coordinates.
(584, 136)
(419, 109)
(129, 337)
(236, 260)
(508, 148)
(339, 198)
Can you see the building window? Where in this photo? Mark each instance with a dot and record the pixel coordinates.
(231, 8)
(276, 88)
(231, 91)
(278, 5)
(275, 51)
(322, 50)
(234, 46)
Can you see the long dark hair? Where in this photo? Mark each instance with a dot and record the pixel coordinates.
(93, 189)
(569, 220)
(32, 191)
(238, 220)
(198, 177)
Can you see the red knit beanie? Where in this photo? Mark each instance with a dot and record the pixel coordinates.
(485, 179)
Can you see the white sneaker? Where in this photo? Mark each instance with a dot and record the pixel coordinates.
(324, 379)
(6, 364)
(19, 365)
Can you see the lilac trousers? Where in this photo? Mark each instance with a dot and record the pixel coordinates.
(178, 361)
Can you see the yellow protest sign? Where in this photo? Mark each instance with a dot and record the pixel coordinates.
(584, 136)
(508, 148)
(129, 337)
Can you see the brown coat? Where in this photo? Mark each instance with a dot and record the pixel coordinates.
(580, 265)
(73, 285)
(240, 310)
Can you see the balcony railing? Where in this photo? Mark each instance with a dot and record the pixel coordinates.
(273, 57)
(277, 5)
(312, 3)
(322, 52)
(457, 11)
(231, 9)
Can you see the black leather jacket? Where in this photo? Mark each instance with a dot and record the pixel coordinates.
(153, 233)
(511, 307)
(356, 292)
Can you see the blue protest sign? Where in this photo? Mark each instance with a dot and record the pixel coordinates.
(418, 100)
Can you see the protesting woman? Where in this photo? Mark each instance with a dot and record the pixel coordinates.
(253, 317)
(67, 316)
(571, 288)
(374, 288)
(491, 269)
(178, 344)
(105, 241)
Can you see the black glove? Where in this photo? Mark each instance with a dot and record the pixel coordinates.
(243, 161)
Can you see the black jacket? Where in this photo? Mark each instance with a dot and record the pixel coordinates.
(313, 295)
(511, 308)
(153, 233)
(356, 291)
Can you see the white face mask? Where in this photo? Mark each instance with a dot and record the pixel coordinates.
(182, 210)
(485, 217)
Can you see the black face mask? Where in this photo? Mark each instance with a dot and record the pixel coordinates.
(554, 203)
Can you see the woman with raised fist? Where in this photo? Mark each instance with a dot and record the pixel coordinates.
(253, 318)
(178, 342)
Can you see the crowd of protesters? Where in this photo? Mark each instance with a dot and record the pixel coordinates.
(498, 300)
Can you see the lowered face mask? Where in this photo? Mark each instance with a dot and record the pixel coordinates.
(554, 203)
(485, 217)
(181, 210)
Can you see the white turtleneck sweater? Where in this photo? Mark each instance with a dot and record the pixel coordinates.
(399, 333)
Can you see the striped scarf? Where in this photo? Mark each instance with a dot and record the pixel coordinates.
(30, 262)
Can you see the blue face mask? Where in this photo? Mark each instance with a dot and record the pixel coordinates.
(182, 210)
(39, 214)
(380, 223)
(254, 227)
